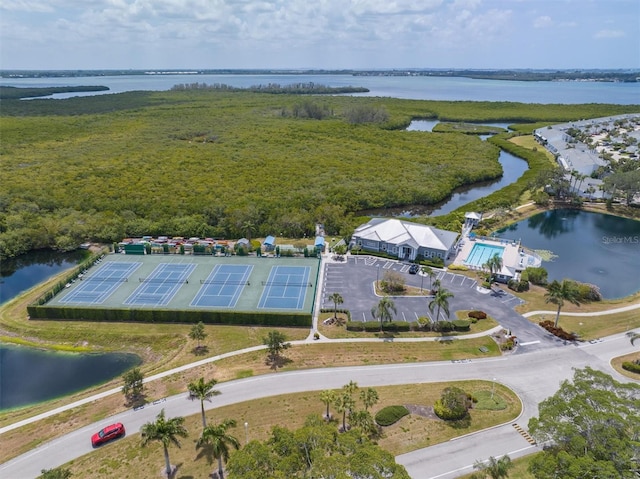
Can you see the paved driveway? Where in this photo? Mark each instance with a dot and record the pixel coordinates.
(354, 279)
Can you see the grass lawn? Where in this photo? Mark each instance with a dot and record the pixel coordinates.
(529, 142)
(617, 364)
(126, 459)
(594, 327)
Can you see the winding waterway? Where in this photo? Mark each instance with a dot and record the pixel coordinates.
(512, 169)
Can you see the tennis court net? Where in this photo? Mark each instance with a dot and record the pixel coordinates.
(163, 280)
(105, 279)
(234, 283)
(285, 283)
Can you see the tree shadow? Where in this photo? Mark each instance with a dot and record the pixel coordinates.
(136, 402)
(463, 423)
(386, 335)
(275, 362)
(200, 350)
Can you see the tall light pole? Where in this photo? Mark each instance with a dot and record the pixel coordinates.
(493, 388)
(246, 433)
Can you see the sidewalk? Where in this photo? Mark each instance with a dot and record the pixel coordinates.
(622, 309)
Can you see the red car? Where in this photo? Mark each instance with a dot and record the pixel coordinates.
(107, 434)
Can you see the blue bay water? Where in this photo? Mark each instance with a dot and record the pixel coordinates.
(407, 87)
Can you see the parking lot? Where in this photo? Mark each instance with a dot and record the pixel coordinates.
(355, 277)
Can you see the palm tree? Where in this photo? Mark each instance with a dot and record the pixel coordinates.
(557, 293)
(429, 272)
(337, 299)
(441, 301)
(328, 396)
(496, 468)
(167, 432)
(217, 441)
(436, 285)
(494, 265)
(203, 390)
(249, 228)
(369, 398)
(343, 403)
(383, 310)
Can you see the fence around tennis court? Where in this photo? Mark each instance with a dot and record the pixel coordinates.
(156, 315)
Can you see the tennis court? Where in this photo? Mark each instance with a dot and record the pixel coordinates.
(183, 282)
(100, 284)
(161, 286)
(285, 288)
(223, 286)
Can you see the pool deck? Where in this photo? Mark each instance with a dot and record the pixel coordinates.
(510, 257)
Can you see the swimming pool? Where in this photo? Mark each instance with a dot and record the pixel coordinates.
(481, 252)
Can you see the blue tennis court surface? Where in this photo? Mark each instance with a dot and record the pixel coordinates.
(223, 286)
(101, 284)
(161, 286)
(285, 288)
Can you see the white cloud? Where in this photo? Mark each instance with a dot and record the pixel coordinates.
(609, 34)
(543, 21)
(382, 33)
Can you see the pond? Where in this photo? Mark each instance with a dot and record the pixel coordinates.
(590, 247)
(29, 375)
(24, 272)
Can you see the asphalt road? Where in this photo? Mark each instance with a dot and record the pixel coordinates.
(533, 376)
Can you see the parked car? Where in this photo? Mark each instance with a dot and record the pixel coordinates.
(107, 434)
(414, 268)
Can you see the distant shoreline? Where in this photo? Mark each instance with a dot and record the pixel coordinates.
(588, 75)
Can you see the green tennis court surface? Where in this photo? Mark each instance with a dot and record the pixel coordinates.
(185, 282)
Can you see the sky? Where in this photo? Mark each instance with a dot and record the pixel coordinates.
(319, 34)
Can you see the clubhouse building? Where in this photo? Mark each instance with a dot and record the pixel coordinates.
(404, 239)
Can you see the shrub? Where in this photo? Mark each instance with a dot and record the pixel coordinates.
(355, 326)
(537, 276)
(453, 404)
(589, 292)
(390, 415)
(559, 332)
(424, 323)
(399, 326)
(457, 267)
(371, 326)
(461, 325)
(443, 326)
(507, 345)
(518, 286)
(433, 262)
(477, 314)
(486, 285)
(630, 366)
